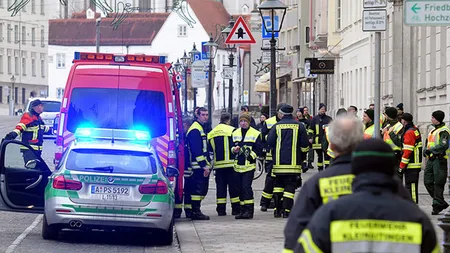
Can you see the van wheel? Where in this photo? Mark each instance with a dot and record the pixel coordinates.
(167, 236)
(49, 232)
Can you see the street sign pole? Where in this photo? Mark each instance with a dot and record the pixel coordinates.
(377, 84)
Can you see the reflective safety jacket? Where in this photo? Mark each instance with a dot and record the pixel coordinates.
(268, 124)
(251, 146)
(437, 141)
(393, 136)
(350, 224)
(368, 132)
(220, 142)
(326, 143)
(330, 184)
(412, 148)
(316, 129)
(289, 144)
(32, 129)
(197, 145)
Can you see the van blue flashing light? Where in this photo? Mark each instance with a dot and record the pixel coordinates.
(112, 134)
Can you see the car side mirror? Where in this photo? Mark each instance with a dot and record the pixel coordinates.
(55, 125)
(32, 164)
(172, 172)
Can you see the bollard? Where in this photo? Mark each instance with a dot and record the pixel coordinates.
(444, 223)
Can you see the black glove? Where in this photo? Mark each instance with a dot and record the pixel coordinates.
(401, 171)
(11, 136)
(427, 152)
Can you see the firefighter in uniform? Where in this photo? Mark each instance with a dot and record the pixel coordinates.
(267, 193)
(317, 134)
(289, 144)
(411, 156)
(32, 129)
(392, 132)
(247, 147)
(350, 224)
(186, 198)
(199, 163)
(345, 133)
(437, 150)
(326, 141)
(369, 126)
(220, 142)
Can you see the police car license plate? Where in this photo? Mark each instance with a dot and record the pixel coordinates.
(109, 192)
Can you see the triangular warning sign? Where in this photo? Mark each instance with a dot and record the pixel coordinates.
(240, 34)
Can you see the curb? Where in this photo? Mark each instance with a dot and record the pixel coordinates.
(188, 238)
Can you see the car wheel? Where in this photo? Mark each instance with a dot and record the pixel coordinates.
(49, 232)
(167, 236)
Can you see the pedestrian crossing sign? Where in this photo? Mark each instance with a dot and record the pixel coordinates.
(240, 33)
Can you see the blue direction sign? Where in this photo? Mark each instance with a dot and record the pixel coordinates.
(268, 22)
(197, 56)
(205, 50)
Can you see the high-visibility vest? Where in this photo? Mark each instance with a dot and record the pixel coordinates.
(396, 129)
(270, 122)
(195, 160)
(248, 142)
(433, 138)
(415, 159)
(219, 139)
(330, 152)
(368, 132)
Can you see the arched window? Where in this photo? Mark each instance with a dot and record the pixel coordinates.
(244, 9)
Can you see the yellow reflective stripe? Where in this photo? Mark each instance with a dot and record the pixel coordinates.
(307, 242)
(200, 158)
(287, 170)
(266, 195)
(408, 147)
(250, 201)
(35, 147)
(221, 201)
(17, 131)
(278, 189)
(187, 206)
(316, 146)
(414, 166)
(31, 129)
(316, 140)
(196, 197)
(22, 125)
(405, 160)
(288, 195)
(226, 148)
(376, 230)
(253, 154)
(319, 164)
(304, 150)
(223, 164)
(178, 206)
(413, 192)
(235, 200)
(278, 146)
(250, 138)
(437, 249)
(287, 251)
(294, 143)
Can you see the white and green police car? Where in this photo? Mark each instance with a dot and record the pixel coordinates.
(107, 179)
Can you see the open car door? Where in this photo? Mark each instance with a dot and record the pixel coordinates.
(23, 178)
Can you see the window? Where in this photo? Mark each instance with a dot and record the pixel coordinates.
(245, 9)
(1, 31)
(115, 161)
(8, 32)
(33, 36)
(182, 30)
(88, 104)
(33, 67)
(60, 61)
(16, 65)
(1, 6)
(16, 95)
(42, 7)
(59, 92)
(1, 92)
(1, 64)
(42, 38)
(42, 68)
(24, 66)
(9, 65)
(16, 34)
(33, 6)
(23, 95)
(24, 35)
(338, 14)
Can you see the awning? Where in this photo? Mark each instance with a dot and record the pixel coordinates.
(263, 83)
(302, 79)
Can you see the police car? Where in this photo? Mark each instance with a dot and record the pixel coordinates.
(107, 179)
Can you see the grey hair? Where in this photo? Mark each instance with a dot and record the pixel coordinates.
(345, 133)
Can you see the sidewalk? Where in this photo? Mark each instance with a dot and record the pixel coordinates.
(263, 234)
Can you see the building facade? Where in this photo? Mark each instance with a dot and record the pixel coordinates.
(23, 55)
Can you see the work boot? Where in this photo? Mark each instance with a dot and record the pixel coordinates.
(188, 213)
(286, 214)
(263, 208)
(221, 210)
(250, 212)
(177, 213)
(198, 215)
(276, 213)
(272, 204)
(241, 214)
(235, 210)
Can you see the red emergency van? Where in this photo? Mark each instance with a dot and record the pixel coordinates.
(121, 92)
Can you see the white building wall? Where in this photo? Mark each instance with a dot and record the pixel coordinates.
(23, 53)
(235, 7)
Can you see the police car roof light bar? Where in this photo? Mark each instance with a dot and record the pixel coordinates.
(90, 134)
(83, 56)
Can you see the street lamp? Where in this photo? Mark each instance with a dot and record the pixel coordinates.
(272, 13)
(11, 96)
(212, 50)
(186, 61)
(231, 47)
(192, 54)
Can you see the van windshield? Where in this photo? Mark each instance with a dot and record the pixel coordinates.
(117, 109)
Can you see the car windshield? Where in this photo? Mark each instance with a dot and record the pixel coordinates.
(118, 109)
(50, 106)
(111, 161)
